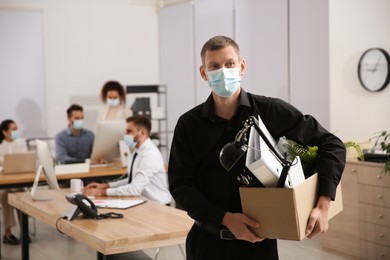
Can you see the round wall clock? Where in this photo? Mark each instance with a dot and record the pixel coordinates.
(374, 69)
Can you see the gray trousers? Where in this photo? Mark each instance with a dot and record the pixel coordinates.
(8, 210)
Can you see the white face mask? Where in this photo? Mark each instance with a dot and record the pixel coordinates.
(224, 82)
(14, 135)
(129, 140)
(113, 102)
(78, 124)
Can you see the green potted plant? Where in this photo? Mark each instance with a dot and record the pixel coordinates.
(382, 143)
(309, 156)
(155, 137)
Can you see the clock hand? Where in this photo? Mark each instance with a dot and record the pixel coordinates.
(376, 65)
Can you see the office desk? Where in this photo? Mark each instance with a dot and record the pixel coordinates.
(15, 180)
(148, 225)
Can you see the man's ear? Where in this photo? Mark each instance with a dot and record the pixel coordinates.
(243, 67)
(202, 72)
(143, 132)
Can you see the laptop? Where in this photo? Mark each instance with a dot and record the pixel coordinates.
(19, 162)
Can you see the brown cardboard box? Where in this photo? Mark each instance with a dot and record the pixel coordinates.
(283, 213)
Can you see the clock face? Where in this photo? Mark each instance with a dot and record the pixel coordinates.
(374, 69)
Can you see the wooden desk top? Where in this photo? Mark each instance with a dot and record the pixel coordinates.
(9, 179)
(148, 225)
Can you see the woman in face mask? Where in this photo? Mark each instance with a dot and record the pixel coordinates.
(9, 139)
(9, 143)
(113, 95)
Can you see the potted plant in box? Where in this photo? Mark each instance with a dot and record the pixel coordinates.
(309, 156)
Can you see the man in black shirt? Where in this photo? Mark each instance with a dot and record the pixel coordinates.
(206, 190)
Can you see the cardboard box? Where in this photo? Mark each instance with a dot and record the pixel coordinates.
(283, 213)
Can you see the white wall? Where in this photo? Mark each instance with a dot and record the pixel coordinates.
(211, 17)
(177, 60)
(309, 58)
(89, 42)
(22, 95)
(355, 26)
(261, 31)
(276, 37)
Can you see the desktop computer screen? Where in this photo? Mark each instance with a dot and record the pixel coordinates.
(107, 137)
(46, 165)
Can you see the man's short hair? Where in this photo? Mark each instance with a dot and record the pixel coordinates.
(72, 108)
(140, 121)
(217, 43)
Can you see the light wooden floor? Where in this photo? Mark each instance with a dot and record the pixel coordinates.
(50, 244)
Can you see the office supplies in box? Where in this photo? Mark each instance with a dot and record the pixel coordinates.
(264, 165)
(282, 212)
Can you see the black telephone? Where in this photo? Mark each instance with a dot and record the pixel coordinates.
(80, 205)
(83, 205)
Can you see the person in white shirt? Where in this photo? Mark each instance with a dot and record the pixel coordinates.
(9, 143)
(113, 95)
(146, 171)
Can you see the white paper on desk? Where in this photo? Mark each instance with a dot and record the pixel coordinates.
(263, 163)
(117, 204)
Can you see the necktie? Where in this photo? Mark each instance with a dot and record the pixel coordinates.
(131, 167)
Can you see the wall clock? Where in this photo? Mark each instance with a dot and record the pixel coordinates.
(374, 69)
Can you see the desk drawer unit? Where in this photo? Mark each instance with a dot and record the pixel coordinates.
(375, 233)
(374, 214)
(373, 176)
(373, 251)
(374, 195)
(366, 215)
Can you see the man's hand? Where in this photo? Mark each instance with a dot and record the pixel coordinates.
(95, 192)
(96, 189)
(318, 220)
(96, 185)
(238, 224)
(98, 161)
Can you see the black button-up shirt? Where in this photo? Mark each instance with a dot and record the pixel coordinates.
(204, 188)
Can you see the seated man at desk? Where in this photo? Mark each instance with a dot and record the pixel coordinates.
(74, 144)
(146, 171)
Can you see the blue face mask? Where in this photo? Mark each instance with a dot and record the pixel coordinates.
(78, 124)
(113, 102)
(14, 135)
(129, 140)
(224, 82)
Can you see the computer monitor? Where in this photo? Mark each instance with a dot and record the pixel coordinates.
(46, 166)
(107, 137)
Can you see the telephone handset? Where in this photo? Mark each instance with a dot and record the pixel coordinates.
(80, 205)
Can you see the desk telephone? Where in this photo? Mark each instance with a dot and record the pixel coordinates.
(81, 204)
